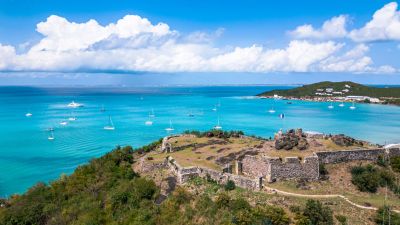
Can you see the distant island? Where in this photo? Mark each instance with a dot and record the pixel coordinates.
(345, 91)
(221, 177)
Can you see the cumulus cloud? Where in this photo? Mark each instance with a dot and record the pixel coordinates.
(333, 28)
(134, 43)
(385, 25)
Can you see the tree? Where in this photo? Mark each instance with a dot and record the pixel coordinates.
(317, 213)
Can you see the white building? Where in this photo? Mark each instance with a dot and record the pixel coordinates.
(328, 89)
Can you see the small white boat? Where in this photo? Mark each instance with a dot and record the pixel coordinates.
(214, 109)
(218, 126)
(282, 116)
(28, 114)
(271, 110)
(149, 122)
(51, 136)
(74, 104)
(72, 117)
(331, 106)
(63, 123)
(341, 105)
(110, 125)
(352, 107)
(170, 128)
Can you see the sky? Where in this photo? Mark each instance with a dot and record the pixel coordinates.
(205, 42)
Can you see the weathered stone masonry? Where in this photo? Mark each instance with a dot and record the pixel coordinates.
(273, 168)
(185, 173)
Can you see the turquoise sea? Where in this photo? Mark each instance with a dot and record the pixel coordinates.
(27, 156)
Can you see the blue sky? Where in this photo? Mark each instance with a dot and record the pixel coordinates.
(240, 41)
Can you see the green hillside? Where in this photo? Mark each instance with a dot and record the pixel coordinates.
(355, 89)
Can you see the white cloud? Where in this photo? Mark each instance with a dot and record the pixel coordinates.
(135, 44)
(333, 28)
(385, 25)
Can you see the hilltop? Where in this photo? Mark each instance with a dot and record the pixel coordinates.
(327, 89)
(161, 183)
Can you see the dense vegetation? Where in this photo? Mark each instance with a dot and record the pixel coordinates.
(356, 89)
(314, 213)
(369, 178)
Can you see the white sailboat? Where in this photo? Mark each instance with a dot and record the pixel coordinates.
(218, 126)
(271, 110)
(170, 128)
(63, 123)
(352, 107)
(51, 136)
(110, 125)
(28, 114)
(341, 105)
(152, 113)
(149, 122)
(331, 106)
(215, 108)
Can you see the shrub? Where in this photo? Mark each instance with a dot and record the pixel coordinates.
(395, 163)
(318, 214)
(382, 161)
(369, 178)
(230, 185)
(342, 219)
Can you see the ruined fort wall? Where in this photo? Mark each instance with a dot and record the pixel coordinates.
(349, 155)
(254, 166)
(293, 168)
(183, 174)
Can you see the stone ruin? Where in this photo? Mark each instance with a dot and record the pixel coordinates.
(343, 140)
(290, 140)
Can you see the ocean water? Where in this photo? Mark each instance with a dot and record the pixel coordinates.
(27, 156)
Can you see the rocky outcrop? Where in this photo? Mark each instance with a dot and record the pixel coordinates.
(290, 140)
(343, 140)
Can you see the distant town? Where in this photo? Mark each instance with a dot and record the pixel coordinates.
(338, 92)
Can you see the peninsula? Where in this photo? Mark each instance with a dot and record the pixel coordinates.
(345, 91)
(220, 177)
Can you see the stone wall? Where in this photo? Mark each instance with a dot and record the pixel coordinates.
(349, 155)
(273, 168)
(254, 166)
(183, 174)
(393, 152)
(293, 168)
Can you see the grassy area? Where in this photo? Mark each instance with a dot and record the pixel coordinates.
(356, 89)
(205, 151)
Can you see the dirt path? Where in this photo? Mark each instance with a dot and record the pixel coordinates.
(273, 190)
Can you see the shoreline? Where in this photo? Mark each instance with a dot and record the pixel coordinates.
(326, 99)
